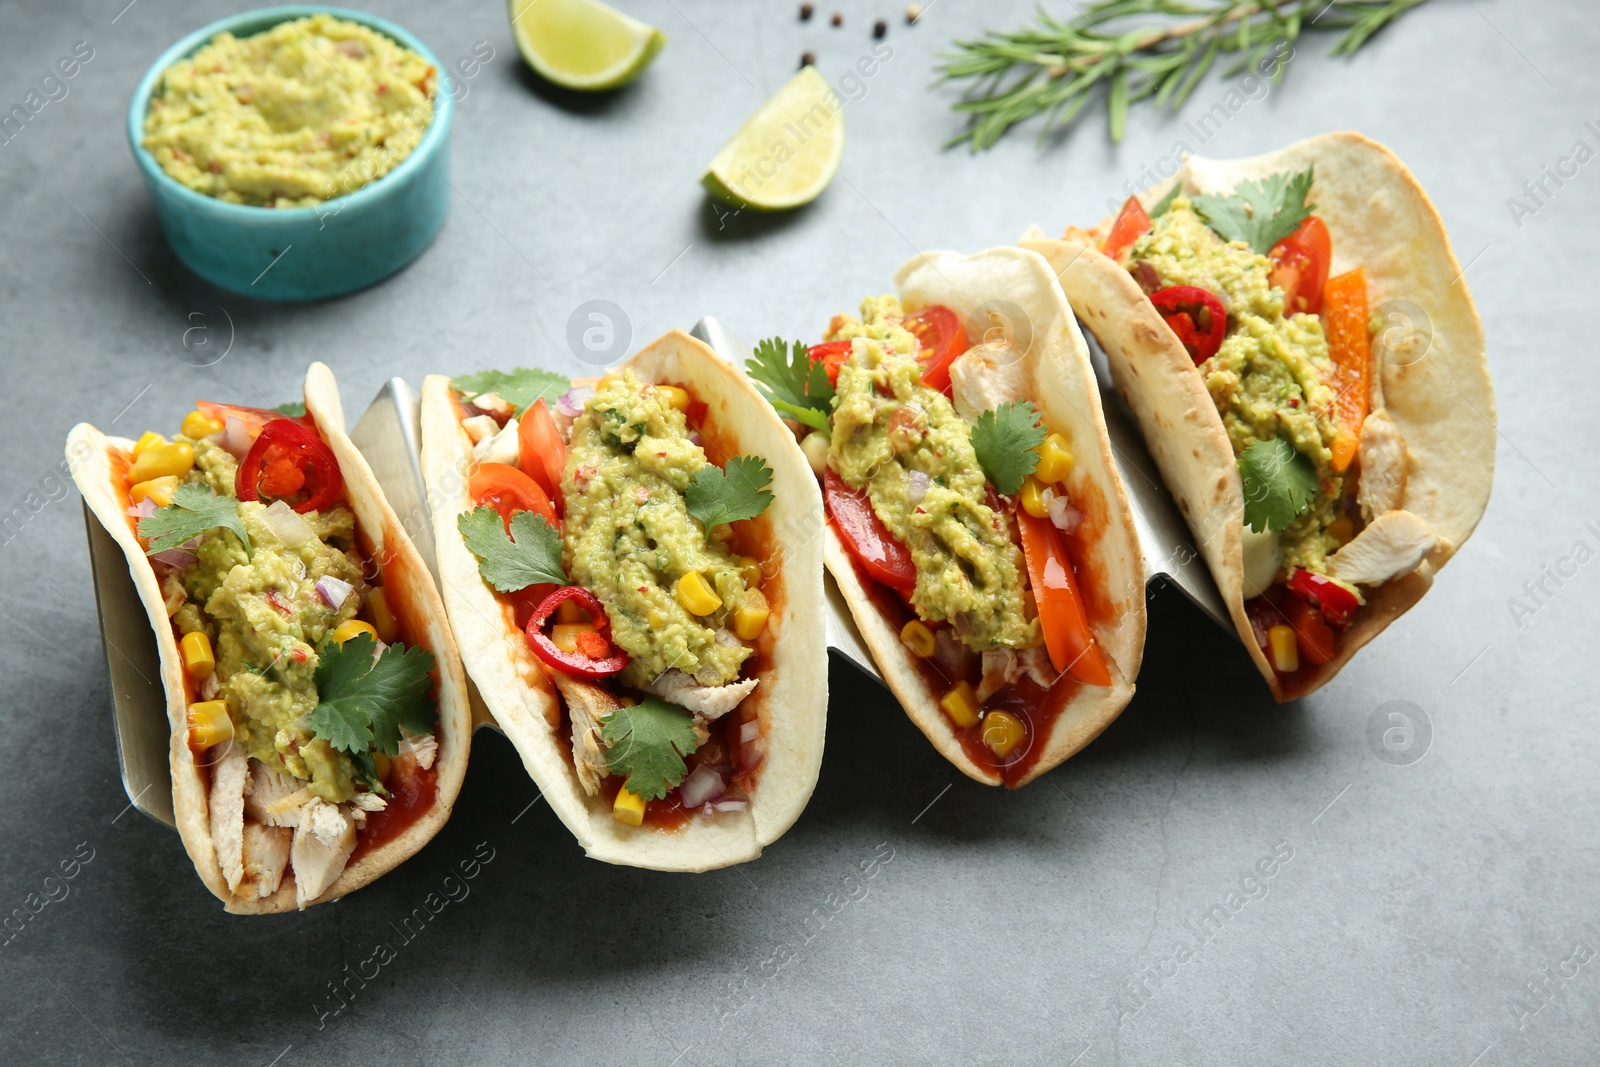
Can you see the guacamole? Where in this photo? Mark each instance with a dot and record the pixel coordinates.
(265, 618)
(1269, 378)
(304, 112)
(887, 424)
(628, 536)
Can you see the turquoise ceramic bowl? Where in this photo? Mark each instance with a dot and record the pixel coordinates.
(303, 253)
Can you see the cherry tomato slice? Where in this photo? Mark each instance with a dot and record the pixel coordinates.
(941, 337)
(1133, 222)
(1338, 604)
(508, 491)
(1067, 636)
(581, 662)
(884, 559)
(540, 450)
(1196, 316)
(832, 355)
(1300, 265)
(284, 448)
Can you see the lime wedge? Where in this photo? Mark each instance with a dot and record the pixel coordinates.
(583, 44)
(787, 152)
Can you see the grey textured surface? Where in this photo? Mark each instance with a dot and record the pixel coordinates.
(1427, 909)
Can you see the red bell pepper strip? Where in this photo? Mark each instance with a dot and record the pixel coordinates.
(1196, 316)
(590, 662)
(1338, 604)
(1067, 637)
(288, 457)
(1133, 222)
(884, 558)
(1350, 349)
(1311, 633)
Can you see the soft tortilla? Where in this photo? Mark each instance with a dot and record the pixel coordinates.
(792, 699)
(1008, 281)
(1440, 398)
(99, 479)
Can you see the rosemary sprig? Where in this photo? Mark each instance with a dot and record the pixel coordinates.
(1053, 68)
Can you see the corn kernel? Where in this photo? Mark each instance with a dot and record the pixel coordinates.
(197, 657)
(628, 808)
(571, 611)
(916, 636)
(564, 635)
(674, 396)
(1055, 460)
(961, 704)
(696, 594)
(147, 440)
(1033, 498)
(382, 764)
(1002, 732)
(196, 426)
(751, 616)
(346, 630)
(384, 624)
(157, 490)
(1285, 650)
(606, 381)
(162, 461)
(1342, 530)
(209, 723)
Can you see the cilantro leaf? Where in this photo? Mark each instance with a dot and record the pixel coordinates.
(521, 388)
(738, 491)
(1279, 484)
(508, 565)
(1259, 213)
(194, 510)
(294, 409)
(1006, 440)
(791, 382)
(647, 742)
(362, 702)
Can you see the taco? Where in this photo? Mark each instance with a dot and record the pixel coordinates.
(617, 561)
(318, 708)
(976, 526)
(1296, 339)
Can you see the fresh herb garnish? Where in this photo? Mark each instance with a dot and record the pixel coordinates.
(1054, 67)
(1006, 440)
(738, 491)
(362, 702)
(532, 558)
(647, 742)
(521, 388)
(792, 382)
(1279, 484)
(194, 510)
(294, 409)
(1258, 213)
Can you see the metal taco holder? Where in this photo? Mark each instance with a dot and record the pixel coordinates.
(388, 435)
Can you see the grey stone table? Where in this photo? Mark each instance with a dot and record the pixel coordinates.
(1435, 910)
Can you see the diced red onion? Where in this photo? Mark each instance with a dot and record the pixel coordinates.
(918, 486)
(174, 557)
(750, 731)
(571, 402)
(701, 786)
(286, 525)
(334, 591)
(143, 509)
(235, 436)
(694, 439)
(1063, 514)
(729, 804)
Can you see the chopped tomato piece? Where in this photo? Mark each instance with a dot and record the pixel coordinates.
(540, 450)
(253, 418)
(1337, 603)
(941, 337)
(1133, 222)
(884, 559)
(832, 355)
(1350, 349)
(507, 490)
(1196, 316)
(1067, 636)
(288, 458)
(1300, 265)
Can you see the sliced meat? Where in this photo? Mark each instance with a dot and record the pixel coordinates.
(586, 705)
(1036, 662)
(1382, 454)
(1003, 666)
(230, 780)
(322, 845)
(422, 747)
(368, 802)
(952, 656)
(266, 854)
(268, 791)
(710, 702)
(985, 377)
(1395, 543)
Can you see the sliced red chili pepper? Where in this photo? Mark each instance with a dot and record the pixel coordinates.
(1201, 311)
(884, 558)
(1337, 604)
(285, 447)
(582, 663)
